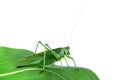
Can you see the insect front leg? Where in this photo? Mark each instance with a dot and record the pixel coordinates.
(66, 61)
(71, 59)
(65, 57)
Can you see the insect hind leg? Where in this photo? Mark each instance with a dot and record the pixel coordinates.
(53, 52)
(45, 49)
(46, 46)
(39, 42)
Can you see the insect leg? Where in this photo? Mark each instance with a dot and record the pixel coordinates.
(66, 61)
(36, 47)
(39, 42)
(71, 59)
(65, 58)
(58, 55)
(47, 48)
(44, 59)
(54, 53)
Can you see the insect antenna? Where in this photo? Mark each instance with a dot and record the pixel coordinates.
(75, 24)
(71, 34)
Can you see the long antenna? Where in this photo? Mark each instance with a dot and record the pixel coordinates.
(79, 14)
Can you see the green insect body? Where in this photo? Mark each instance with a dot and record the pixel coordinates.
(47, 57)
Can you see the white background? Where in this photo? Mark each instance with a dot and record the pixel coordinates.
(95, 39)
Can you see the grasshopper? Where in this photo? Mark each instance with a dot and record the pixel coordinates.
(47, 57)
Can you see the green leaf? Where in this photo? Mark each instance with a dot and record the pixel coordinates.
(9, 58)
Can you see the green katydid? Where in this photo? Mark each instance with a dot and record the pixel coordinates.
(48, 56)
